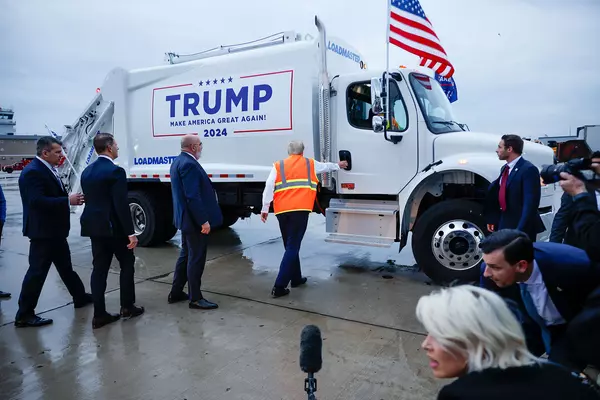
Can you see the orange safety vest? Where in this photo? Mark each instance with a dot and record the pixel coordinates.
(295, 185)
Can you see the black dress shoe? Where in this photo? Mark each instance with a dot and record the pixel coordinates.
(177, 297)
(99, 322)
(4, 295)
(80, 303)
(203, 304)
(302, 281)
(33, 322)
(279, 292)
(133, 311)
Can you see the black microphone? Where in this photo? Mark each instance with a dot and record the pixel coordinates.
(310, 357)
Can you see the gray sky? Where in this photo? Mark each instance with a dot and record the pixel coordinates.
(524, 66)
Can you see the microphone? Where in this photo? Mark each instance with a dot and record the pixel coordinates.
(310, 357)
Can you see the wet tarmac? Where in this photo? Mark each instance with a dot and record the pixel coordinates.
(362, 299)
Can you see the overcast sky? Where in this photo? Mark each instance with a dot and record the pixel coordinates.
(524, 66)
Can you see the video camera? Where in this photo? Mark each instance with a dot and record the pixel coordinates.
(580, 168)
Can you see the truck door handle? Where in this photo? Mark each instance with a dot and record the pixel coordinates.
(346, 156)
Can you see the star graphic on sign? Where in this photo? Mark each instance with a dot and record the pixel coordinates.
(207, 82)
(215, 81)
(230, 79)
(200, 83)
(222, 80)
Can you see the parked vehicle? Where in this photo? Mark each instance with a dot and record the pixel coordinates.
(424, 175)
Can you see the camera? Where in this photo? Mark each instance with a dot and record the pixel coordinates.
(579, 167)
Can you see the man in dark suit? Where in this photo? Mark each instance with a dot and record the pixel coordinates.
(46, 221)
(513, 199)
(555, 282)
(196, 212)
(107, 221)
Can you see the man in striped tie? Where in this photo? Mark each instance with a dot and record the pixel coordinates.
(558, 293)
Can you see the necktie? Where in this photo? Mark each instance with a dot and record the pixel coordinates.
(533, 313)
(55, 172)
(502, 193)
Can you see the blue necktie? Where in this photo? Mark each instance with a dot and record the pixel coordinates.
(533, 313)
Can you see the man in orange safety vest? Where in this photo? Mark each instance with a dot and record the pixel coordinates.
(292, 186)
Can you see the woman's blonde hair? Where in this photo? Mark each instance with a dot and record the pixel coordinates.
(477, 323)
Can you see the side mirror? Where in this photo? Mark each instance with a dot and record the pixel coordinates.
(376, 99)
(378, 123)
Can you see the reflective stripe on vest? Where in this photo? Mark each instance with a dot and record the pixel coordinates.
(295, 183)
(296, 194)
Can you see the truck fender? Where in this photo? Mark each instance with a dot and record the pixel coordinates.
(431, 180)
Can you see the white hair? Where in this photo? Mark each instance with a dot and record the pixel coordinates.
(477, 323)
(295, 147)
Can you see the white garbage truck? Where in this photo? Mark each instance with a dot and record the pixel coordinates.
(424, 173)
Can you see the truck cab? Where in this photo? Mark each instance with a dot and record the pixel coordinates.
(421, 172)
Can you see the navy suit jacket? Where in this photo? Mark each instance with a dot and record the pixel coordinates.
(46, 210)
(106, 212)
(194, 198)
(569, 275)
(523, 193)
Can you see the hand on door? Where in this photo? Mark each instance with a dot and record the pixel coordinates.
(343, 164)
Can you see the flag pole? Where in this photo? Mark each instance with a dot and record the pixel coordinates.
(387, 64)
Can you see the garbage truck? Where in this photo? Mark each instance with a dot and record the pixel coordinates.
(422, 173)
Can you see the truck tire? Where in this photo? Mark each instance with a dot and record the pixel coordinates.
(228, 220)
(169, 231)
(446, 240)
(147, 221)
(8, 170)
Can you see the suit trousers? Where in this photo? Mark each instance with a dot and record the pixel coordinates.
(190, 264)
(103, 249)
(42, 254)
(293, 227)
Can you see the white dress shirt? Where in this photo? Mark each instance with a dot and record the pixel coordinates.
(270, 184)
(52, 169)
(542, 301)
(511, 166)
(107, 157)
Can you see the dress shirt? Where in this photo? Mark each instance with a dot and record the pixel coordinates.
(542, 301)
(107, 157)
(52, 169)
(270, 184)
(511, 166)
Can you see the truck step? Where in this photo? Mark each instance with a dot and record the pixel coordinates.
(365, 222)
(360, 240)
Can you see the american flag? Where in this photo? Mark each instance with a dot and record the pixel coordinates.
(411, 31)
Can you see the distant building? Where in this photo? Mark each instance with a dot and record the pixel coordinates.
(15, 150)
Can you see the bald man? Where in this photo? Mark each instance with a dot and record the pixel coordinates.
(196, 213)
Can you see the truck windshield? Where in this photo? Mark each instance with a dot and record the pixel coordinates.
(434, 104)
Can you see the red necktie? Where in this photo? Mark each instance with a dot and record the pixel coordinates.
(502, 193)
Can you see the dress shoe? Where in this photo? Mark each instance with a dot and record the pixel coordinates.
(177, 297)
(87, 299)
(279, 292)
(203, 304)
(99, 322)
(33, 321)
(302, 281)
(133, 311)
(4, 295)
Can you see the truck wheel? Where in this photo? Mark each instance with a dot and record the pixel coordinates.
(169, 231)
(446, 240)
(147, 223)
(229, 219)
(8, 170)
